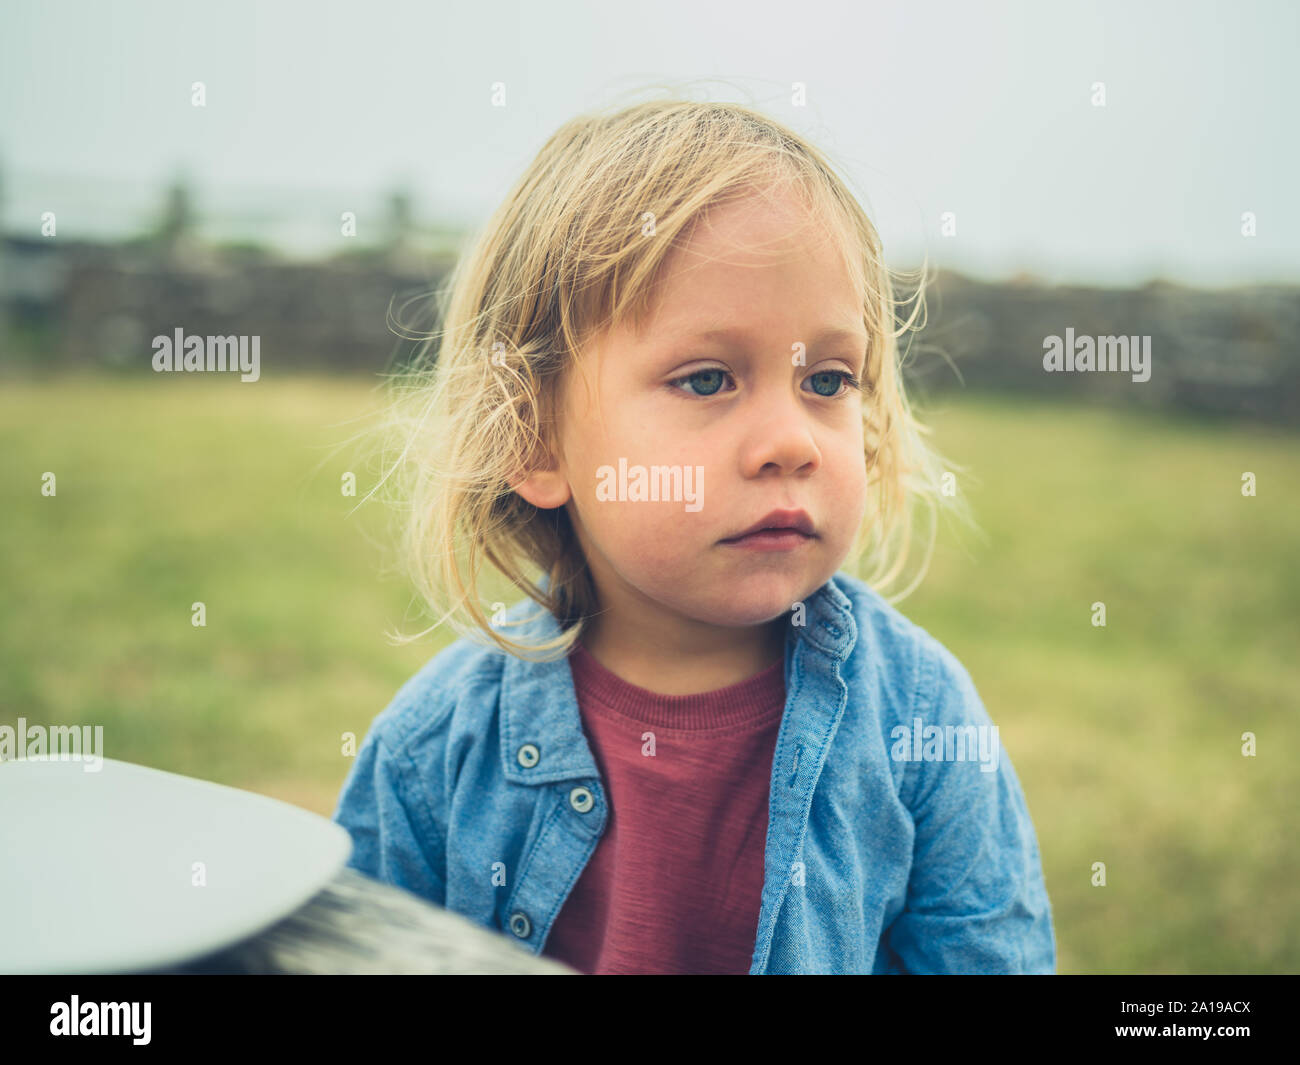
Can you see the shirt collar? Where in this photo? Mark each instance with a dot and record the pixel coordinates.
(539, 706)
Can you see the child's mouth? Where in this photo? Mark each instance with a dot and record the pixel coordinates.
(779, 530)
(771, 540)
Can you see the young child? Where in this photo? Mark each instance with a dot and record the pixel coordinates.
(668, 384)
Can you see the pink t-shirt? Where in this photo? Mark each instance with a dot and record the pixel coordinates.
(675, 883)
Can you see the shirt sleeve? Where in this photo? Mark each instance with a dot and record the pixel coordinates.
(976, 898)
(393, 838)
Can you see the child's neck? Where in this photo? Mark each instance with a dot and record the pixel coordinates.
(689, 668)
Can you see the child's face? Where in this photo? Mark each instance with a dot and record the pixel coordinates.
(769, 434)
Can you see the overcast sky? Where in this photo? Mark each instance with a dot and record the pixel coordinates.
(982, 109)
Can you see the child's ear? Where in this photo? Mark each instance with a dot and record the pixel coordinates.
(544, 488)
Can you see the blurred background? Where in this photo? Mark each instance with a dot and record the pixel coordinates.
(308, 172)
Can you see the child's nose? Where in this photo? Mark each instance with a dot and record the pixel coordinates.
(780, 434)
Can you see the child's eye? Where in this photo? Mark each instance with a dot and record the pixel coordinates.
(712, 380)
(828, 378)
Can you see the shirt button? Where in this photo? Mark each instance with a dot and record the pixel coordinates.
(528, 755)
(580, 799)
(520, 925)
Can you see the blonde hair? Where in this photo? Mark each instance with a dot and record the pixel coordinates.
(564, 257)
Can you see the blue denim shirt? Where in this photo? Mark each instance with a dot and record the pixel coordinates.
(891, 847)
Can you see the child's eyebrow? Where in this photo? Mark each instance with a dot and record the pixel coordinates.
(830, 335)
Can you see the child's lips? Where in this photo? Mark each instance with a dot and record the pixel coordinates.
(782, 520)
(771, 540)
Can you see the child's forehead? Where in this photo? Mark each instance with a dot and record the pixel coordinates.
(753, 228)
(695, 300)
(767, 227)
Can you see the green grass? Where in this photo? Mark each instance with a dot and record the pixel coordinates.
(1126, 738)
